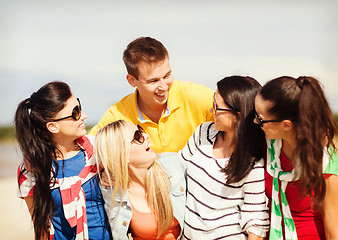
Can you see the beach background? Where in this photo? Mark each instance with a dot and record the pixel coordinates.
(81, 42)
(15, 220)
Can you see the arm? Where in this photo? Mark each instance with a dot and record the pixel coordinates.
(331, 208)
(29, 203)
(188, 151)
(254, 237)
(254, 213)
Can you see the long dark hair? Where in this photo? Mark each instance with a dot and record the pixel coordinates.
(36, 144)
(239, 93)
(303, 102)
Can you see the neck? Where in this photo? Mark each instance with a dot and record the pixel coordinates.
(289, 146)
(153, 112)
(137, 177)
(224, 145)
(67, 148)
(229, 140)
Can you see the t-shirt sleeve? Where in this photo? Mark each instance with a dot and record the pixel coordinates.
(26, 182)
(200, 97)
(108, 117)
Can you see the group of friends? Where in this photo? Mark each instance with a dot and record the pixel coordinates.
(177, 160)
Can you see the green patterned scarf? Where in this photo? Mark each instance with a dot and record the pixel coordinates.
(282, 210)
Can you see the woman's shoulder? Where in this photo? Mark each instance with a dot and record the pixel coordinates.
(171, 162)
(205, 131)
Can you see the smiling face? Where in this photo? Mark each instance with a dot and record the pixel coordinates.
(224, 120)
(153, 83)
(141, 155)
(69, 127)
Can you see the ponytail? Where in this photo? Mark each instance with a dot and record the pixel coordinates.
(314, 131)
(39, 152)
(303, 102)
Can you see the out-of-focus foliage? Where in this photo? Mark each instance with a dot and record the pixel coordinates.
(7, 133)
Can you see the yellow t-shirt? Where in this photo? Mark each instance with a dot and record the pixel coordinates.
(188, 107)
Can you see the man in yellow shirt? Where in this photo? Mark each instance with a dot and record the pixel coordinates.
(169, 111)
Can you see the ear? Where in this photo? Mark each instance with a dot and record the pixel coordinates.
(53, 127)
(287, 125)
(131, 80)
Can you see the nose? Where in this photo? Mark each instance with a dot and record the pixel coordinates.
(83, 115)
(163, 85)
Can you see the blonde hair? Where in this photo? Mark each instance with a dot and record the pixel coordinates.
(112, 146)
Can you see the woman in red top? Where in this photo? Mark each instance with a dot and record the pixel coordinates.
(301, 164)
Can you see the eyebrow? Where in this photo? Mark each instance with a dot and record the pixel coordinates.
(152, 79)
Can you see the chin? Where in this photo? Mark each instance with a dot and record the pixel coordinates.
(270, 137)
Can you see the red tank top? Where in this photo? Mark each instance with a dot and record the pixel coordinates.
(309, 225)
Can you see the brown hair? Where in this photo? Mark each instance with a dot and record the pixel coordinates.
(143, 50)
(36, 144)
(239, 93)
(303, 102)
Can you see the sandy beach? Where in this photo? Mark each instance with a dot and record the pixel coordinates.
(15, 218)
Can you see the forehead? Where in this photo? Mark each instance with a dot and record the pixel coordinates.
(154, 70)
(262, 106)
(72, 102)
(131, 127)
(69, 105)
(218, 98)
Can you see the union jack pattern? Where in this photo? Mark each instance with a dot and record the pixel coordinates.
(72, 194)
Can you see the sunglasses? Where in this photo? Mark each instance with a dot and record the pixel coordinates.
(139, 135)
(215, 108)
(260, 121)
(76, 113)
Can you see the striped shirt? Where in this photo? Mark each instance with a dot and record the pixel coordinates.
(214, 209)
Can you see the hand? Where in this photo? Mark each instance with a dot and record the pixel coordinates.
(105, 180)
(254, 236)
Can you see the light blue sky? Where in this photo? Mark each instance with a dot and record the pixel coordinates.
(81, 42)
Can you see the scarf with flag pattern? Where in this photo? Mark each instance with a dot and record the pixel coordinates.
(72, 194)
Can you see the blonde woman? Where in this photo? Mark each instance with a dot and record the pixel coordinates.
(147, 198)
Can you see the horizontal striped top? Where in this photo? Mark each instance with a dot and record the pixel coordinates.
(215, 210)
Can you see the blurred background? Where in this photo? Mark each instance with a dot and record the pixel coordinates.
(81, 42)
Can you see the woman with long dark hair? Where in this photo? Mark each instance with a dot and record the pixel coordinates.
(58, 177)
(225, 171)
(301, 164)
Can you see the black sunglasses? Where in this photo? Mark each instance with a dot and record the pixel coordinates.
(138, 135)
(215, 108)
(76, 113)
(260, 121)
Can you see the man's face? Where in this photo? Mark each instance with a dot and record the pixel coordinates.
(154, 82)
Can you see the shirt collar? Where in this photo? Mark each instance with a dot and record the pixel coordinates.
(172, 104)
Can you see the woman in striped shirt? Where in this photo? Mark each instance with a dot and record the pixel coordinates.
(225, 171)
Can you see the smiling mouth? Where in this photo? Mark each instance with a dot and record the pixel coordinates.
(162, 95)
